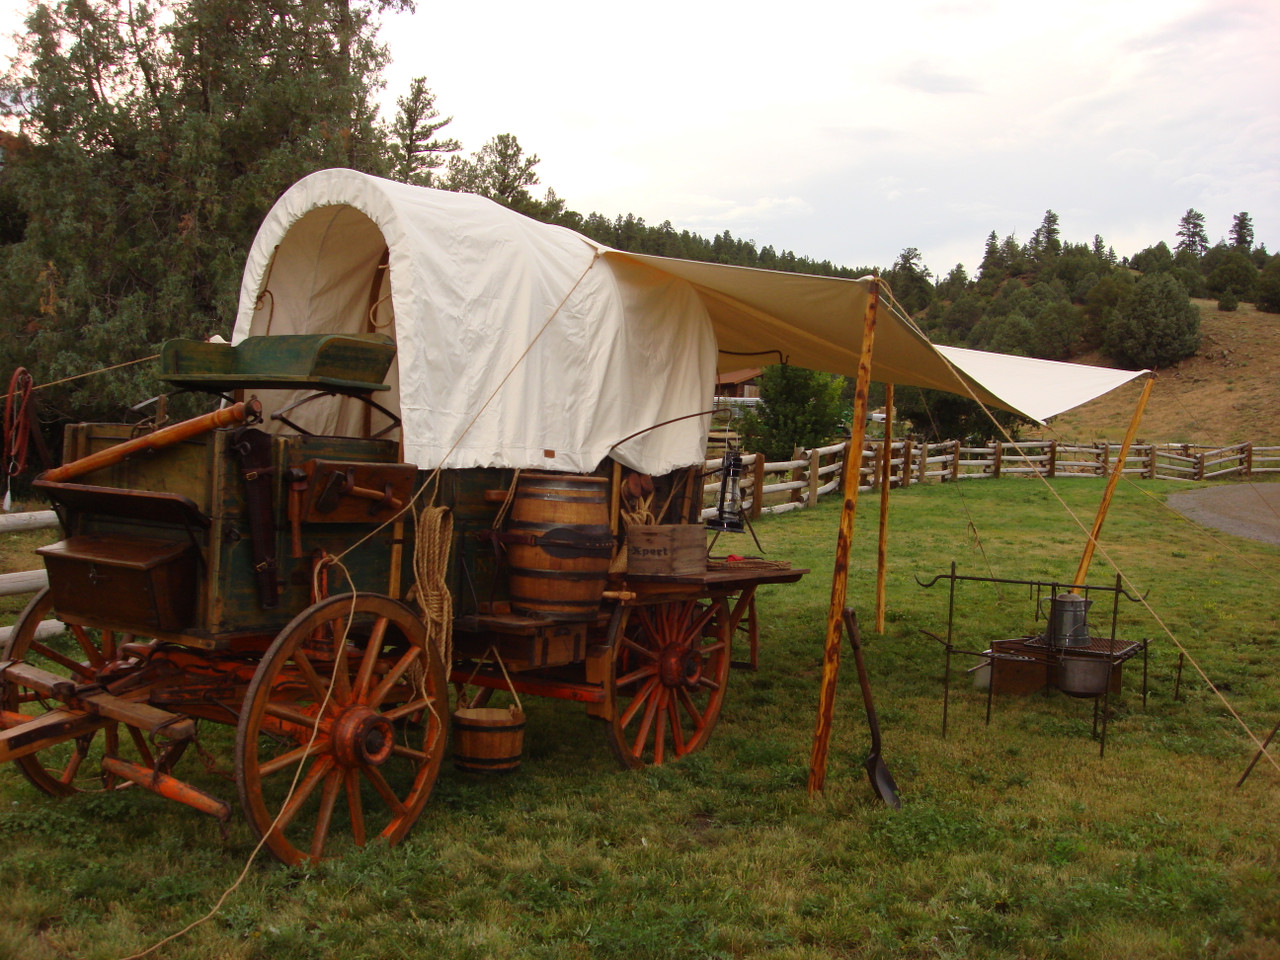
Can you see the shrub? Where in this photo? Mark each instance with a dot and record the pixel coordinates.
(1155, 325)
(1228, 302)
(798, 407)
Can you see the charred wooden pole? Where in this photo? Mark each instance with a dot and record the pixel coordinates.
(886, 478)
(1117, 471)
(840, 576)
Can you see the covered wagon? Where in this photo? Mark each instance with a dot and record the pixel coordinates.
(434, 422)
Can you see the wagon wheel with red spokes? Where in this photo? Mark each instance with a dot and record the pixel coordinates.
(668, 666)
(343, 728)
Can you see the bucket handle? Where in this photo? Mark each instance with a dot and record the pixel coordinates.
(506, 676)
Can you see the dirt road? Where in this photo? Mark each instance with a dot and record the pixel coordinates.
(1245, 509)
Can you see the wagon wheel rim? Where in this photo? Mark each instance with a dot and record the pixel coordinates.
(333, 743)
(668, 667)
(83, 655)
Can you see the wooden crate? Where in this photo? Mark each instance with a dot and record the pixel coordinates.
(669, 549)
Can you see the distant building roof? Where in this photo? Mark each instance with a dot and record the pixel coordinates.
(737, 376)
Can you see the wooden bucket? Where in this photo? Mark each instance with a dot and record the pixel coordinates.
(560, 572)
(488, 739)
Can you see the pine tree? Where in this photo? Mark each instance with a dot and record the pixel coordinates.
(1242, 231)
(416, 151)
(1191, 233)
(156, 136)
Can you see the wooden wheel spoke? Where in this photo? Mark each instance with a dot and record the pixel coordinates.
(645, 692)
(691, 708)
(392, 676)
(406, 709)
(408, 753)
(711, 648)
(328, 798)
(646, 724)
(283, 711)
(708, 683)
(62, 659)
(646, 623)
(694, 631)
(292, 757)
(95, 656)
(341, 682)
(638, 648)
(660, 733)
(319, 689)
(77, 757)
(369, 659)
(648, 670)
(354, 805)
(375, 777)
(303, 793)
(677, 732)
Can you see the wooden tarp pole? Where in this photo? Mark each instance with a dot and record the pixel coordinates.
(840, 576)
(886, 476)
(1116, 472)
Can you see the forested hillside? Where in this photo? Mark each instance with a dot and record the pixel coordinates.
(145, 143)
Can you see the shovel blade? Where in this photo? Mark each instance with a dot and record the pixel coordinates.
(882, 782)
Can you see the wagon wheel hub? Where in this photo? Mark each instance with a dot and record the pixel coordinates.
(362, 736)
(680, 666)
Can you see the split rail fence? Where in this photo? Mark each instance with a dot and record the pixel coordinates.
(812, 474)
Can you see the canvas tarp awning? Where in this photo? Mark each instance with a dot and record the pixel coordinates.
(522, 344)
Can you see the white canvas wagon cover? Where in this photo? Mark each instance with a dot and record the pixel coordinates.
(522, 344)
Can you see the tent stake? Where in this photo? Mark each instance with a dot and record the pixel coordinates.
(1116, 473)
(886, 478)
(840, 576)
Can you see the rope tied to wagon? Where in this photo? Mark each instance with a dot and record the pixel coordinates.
(431, 546)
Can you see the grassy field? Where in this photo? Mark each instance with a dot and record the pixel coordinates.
(1015, 839)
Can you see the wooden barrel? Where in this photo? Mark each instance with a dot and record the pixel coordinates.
(488, 739)
(559, 572)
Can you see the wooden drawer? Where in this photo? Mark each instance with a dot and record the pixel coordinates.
(129, 582)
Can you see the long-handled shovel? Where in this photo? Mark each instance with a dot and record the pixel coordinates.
(877, 770)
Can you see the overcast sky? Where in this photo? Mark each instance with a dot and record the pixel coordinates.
(847, 131)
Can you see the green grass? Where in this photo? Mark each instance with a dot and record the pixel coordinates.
(1015, 840)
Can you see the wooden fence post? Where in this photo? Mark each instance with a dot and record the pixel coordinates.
(955, 460)
(1053, 458)
(815, 478)
(1151, 462)
(797, 473)
(757, 491)
(998, 461)
(1246, 465)
(1199, 474)
(906, 462)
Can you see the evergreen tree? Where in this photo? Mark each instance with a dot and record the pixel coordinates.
(1046, 242)
(1191, 233)
(1242, 231)
(798, 407)
(416, 152)
(154, 139)
(1155, 325)
(500, 170)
